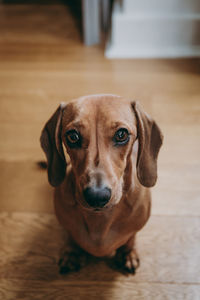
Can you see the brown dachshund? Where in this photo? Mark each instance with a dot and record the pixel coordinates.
(102, 158)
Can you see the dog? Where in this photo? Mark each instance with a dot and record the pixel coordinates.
(101, 155)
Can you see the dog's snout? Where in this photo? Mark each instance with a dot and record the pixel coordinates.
(97, 196)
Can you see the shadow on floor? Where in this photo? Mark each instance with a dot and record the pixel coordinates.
(33, 269)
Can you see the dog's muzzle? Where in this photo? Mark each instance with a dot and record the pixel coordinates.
(97, 197)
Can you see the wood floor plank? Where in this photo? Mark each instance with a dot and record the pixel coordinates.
(37, 290)
(24, 187)
(168, 248)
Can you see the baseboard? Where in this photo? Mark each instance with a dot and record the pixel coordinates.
(158, 52)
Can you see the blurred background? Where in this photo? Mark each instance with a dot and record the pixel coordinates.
(53, 51)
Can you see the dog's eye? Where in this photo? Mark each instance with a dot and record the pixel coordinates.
(73, 139)
(121, 136)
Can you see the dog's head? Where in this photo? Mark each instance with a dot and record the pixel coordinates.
(100, 134)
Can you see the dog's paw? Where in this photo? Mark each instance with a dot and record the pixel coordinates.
(127, 263)
(72, 261)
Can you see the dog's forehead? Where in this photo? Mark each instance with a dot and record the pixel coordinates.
(105, 108)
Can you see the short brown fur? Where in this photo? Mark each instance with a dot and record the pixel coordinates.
(128, 170)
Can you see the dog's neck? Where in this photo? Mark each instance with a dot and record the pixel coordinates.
(99, 223)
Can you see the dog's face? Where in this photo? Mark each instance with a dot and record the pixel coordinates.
(99, 133)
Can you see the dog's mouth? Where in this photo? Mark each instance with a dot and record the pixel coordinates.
(97, 209)
(89, 208)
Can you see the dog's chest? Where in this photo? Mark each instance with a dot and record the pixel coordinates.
(101, 238)
(99, 234)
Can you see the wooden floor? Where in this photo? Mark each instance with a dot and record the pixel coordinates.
(43, 62)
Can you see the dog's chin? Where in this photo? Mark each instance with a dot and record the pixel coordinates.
(88, 208)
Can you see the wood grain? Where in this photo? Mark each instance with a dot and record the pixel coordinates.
(30, 249)
(43, 62)
(24, 187)
(37, 290)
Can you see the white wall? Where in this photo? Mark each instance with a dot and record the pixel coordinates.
(155, 28)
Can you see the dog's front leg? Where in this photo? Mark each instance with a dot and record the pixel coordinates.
(126, 258)
(72, 258)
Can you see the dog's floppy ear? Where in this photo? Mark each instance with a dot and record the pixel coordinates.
(150, 140)
(51, 143)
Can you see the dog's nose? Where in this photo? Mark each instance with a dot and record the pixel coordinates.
(97, 197)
